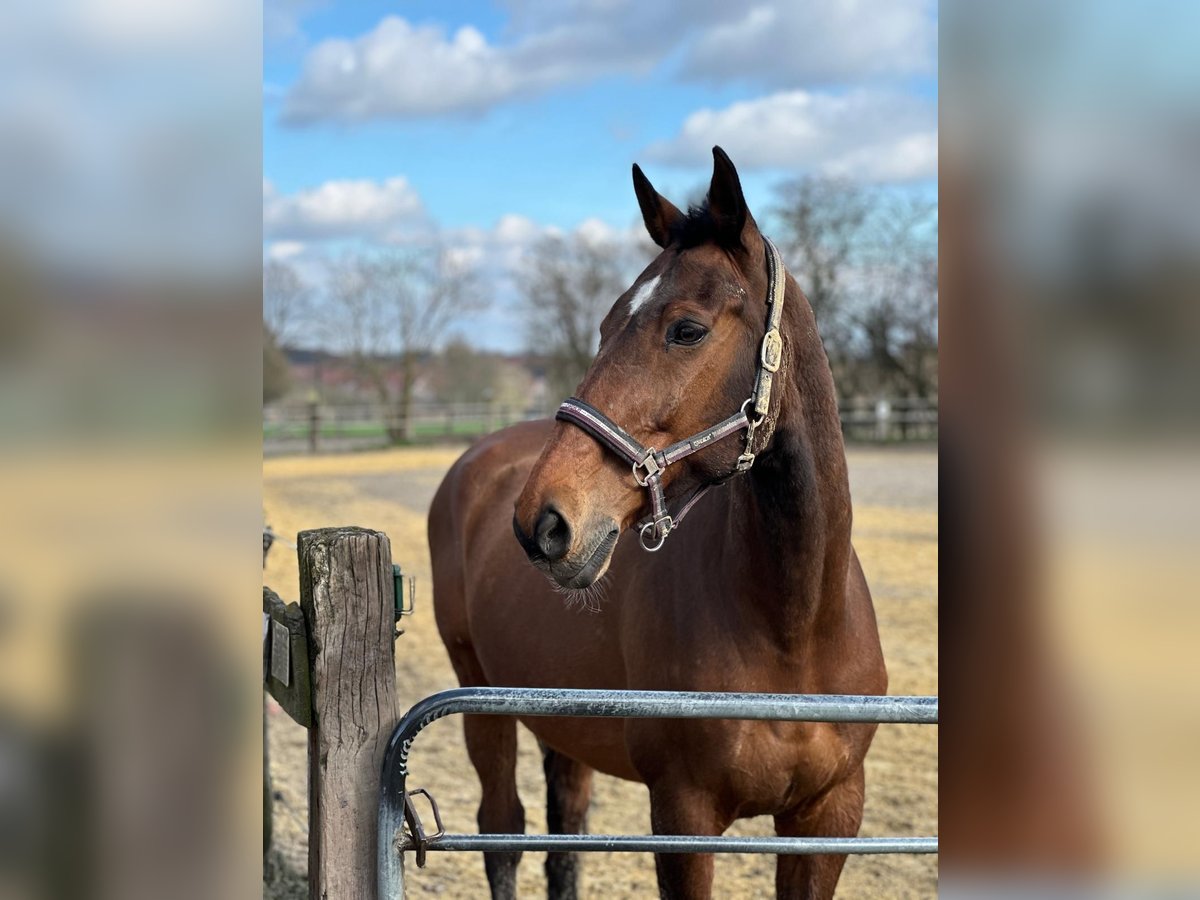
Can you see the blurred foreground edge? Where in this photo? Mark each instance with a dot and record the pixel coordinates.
(1015, 801)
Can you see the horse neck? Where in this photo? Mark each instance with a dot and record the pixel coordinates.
(797, 496)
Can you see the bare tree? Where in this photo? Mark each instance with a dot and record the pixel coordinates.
(467, 374)
(287, 301)
(897, 313)
(391, 309)
(567, 285)
(824, 223)
(276, 379)
(867, 260)
(427, 293)
(357, 323)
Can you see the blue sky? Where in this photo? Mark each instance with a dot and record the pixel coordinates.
(487, 124)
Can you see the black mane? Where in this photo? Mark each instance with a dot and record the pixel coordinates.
(700, 226)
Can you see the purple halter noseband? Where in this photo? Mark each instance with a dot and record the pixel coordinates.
(649, 464)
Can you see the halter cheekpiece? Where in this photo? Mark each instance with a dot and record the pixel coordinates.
(648, 463)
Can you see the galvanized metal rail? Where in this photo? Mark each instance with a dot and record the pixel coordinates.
(671, 843)
(627, 704)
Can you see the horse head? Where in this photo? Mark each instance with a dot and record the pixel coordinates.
(680, 365)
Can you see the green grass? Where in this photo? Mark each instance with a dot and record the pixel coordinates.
(365, 430)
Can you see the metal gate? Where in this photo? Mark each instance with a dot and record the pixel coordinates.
(396, 808)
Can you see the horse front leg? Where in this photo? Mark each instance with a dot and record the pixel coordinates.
(676, 809)
(492, 746)
(835, 813)
(568, 792)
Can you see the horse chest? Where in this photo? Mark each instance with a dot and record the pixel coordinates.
(771, 766)
(756, 767)
(760, 767)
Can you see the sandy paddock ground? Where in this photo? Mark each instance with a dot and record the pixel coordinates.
(895, 533)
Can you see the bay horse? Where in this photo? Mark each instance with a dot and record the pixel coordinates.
(710, 374)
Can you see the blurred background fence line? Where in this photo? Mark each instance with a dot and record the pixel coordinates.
(335, 427)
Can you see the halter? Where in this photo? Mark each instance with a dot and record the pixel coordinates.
(649, 464)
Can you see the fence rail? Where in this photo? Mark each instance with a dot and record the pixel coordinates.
(393, 842)
(353, 426)
(667, 843)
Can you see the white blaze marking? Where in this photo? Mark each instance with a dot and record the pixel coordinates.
(644, 293)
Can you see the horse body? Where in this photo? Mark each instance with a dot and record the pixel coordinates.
(759, 591)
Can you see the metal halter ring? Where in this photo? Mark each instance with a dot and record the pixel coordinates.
(746, 460)
(667, 524)
(753, 423)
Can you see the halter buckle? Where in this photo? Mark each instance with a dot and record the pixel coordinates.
(771, 354)
(650, 464)
(662, 527)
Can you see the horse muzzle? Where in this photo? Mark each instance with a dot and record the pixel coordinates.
(571, 560)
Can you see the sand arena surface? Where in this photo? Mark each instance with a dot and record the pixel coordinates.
(896, 535)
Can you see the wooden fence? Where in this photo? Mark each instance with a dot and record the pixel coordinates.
(330, 664)
(313, 427)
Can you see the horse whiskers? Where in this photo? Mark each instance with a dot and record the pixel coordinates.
(538, 562)
(588, 599)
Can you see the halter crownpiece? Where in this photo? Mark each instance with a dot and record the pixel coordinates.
(648, 463)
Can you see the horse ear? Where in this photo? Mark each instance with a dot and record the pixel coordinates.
(659, 213)
(726, 203)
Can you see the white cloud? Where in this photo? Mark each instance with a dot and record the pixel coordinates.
(502, 248)
(873, 135)
(821, 42)
(342, 209)
(515, 229)
(388, 215)
(467, 257)
(285, 250)
(400, 69)
(597, 231)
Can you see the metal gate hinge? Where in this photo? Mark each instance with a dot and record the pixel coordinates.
(418, 840)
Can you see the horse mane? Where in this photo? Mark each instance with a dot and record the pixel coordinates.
(697, 227)
(700, 226)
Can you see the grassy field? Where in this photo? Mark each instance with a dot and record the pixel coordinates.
(896, 535)
(286, 438)
(420, 431)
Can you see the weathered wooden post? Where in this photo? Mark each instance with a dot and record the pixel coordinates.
(883, 419)
(314, 425)
(347, 597)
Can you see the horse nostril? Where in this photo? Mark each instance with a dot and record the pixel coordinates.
(523, 539)
(552, 534)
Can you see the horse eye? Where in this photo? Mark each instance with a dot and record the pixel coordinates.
(686, 332)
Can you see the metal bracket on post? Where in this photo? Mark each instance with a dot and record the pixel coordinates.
(418, 840)
(401, 609)
(286, 673)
